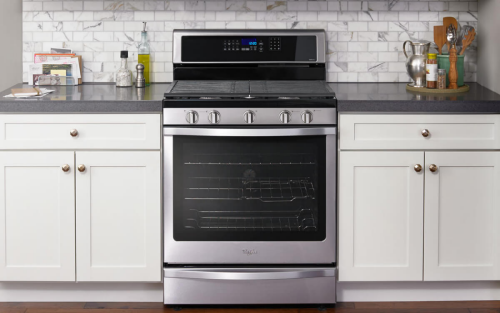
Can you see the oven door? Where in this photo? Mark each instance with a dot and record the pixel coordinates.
(249, 195)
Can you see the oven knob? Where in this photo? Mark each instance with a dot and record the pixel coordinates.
(249, 117)
(192, 117)
(307, 117)
(285, 117)
(214, 117)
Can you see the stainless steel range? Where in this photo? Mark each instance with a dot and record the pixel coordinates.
(249, 169)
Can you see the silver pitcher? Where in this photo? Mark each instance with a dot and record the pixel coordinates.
(415, 64)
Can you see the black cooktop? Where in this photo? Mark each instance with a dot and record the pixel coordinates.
(249, 89)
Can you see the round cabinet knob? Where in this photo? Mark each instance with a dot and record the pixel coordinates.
(249, 117)
(417, 168)
(214, 117)
(307, 117)
(433, 168)
(65, 168)
(425, 133)
(73, 133)
(81, 168)
(285, 117)
(192, 117)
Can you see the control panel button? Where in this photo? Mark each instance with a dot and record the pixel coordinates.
(214, 117)
(192, 117)
(249, 117)
(285, 117)
(307, 117)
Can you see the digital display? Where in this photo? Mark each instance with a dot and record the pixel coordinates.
(249, 41)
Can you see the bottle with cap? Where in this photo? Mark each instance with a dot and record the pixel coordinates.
(431, 69)
(144, 54)
(124, 75)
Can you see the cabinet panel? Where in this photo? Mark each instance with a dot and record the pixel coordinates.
(118, 216)
(404, 132)
(94, 131)
(37, 215)
(462, 216)
(380, 216)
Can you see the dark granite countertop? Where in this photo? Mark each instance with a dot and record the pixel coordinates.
(352, 97)
(393, 97)
(88, 98)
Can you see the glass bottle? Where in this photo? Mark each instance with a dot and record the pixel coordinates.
(431, 69)
(144, 54)
(441, 79)
(124, 75)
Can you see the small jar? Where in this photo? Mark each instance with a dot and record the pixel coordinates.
(442, 79)
(431, 68)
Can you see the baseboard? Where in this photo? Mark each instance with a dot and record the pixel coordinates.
(80, 292)
(417, 291)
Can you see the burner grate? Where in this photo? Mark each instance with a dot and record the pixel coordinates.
(209, 87)
(288, 87)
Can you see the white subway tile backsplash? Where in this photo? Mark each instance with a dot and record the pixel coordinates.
(365, 38)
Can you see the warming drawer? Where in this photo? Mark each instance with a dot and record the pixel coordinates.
(185, 286)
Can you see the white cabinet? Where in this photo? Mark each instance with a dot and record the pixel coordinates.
(380, 216)
(37, 216)
(118, 223)
(462, 216)
(99, 224)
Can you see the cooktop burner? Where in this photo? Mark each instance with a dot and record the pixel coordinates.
(240, 89)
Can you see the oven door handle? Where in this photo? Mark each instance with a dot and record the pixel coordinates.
(248, 132)
(250, 274)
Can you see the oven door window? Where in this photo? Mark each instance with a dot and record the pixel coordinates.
(249, 189)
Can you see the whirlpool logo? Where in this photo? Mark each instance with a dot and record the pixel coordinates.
(249, 252)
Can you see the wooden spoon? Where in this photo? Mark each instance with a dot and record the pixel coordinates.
(446, 23)
(468, 39)
(440, 37)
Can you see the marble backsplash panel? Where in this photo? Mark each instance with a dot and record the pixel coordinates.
(365, 38)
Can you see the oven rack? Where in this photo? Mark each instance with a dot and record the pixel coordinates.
(265, 189)
(252, 159)
(302, 220)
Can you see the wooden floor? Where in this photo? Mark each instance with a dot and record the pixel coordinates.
(347, 307)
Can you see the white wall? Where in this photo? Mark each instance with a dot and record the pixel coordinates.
(11, 39)
(489, 45)
(365, 38)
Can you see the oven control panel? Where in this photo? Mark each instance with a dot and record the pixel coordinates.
(249, 48)
(252, 44)
(250, 116)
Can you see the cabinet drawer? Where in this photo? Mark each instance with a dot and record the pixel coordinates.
(405, 132)
(93, 131)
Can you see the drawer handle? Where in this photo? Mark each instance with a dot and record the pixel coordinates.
(417, 168)
(65, 168)
(73, 132)
(81, 168)
(433, 168)
(425, 133)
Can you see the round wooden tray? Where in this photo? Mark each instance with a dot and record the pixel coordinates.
(464, 88)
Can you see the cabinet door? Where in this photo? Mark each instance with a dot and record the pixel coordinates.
(37, 216)
(462, 210)
(380, 216)
(118, 204)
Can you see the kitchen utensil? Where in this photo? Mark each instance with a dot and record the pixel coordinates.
(447, 21)
(415, 64)
(140, 81)
(451, 35)
(440, 37)
(469, 35)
